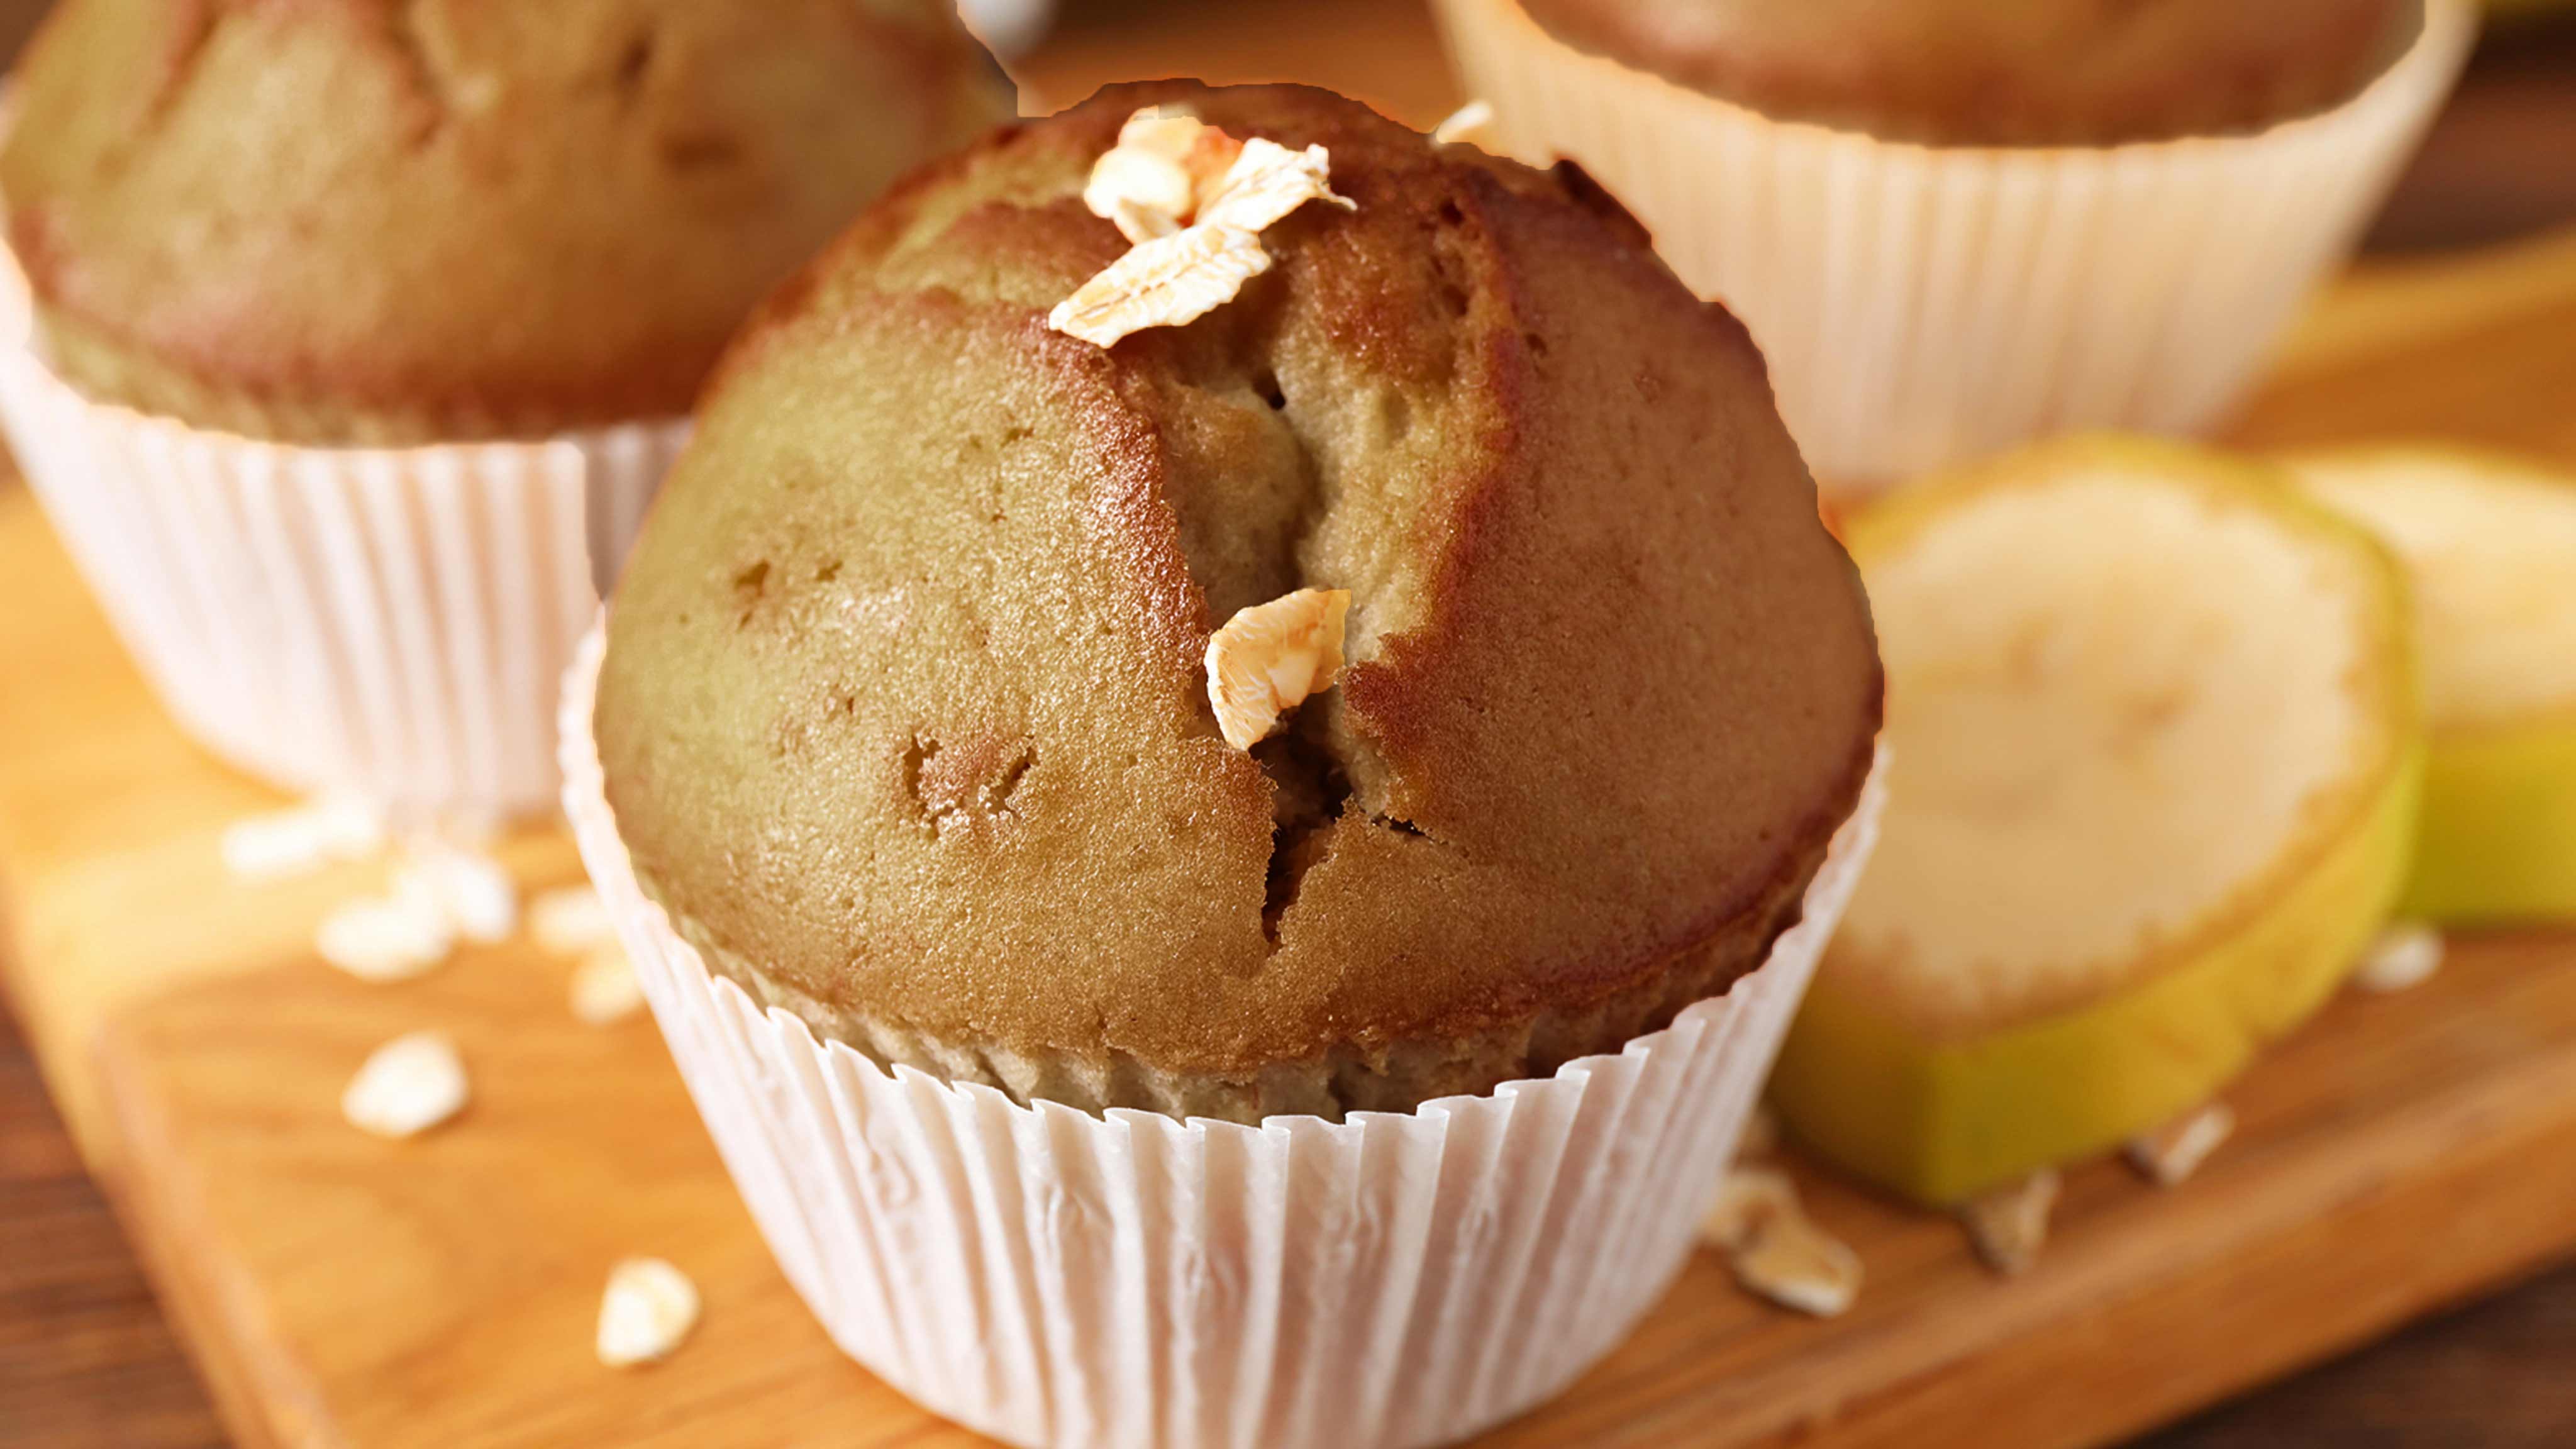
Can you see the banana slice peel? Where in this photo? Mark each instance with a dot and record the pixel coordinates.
(2498, 843)
(1943, 1121)
(2158, 763)
(2489, 544)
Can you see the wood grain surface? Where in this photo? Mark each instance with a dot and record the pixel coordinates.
(85, 1359)
(2399, 1153)
(85, 1356)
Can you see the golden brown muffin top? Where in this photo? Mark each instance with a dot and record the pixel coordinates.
(2001, 72)
(451, 217)
(904, 700)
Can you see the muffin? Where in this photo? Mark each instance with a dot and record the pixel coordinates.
(904, 732)
(371, 221)
(358, 333)
(1978, 73)
(1956, 226)
(1612, 685)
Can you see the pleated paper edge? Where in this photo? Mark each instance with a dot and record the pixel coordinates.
(388, 620)
(794, 1158)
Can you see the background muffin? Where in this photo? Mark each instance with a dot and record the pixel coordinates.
(2000, 72)
(904, 719)
(381, 221)
(1954, 226)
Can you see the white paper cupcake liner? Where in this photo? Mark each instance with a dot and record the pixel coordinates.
(1919, 305)
(1054, 1278)
(392, 621)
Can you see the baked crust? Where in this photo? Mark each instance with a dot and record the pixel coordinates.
(2001, 72)
(902, 714)
(397, 220)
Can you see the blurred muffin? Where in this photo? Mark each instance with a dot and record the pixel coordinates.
(363, 331)
(2000, 72)
(398, 222)
(920, 747)
(1956, 226)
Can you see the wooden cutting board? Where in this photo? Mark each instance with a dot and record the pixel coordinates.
(2398, 1154)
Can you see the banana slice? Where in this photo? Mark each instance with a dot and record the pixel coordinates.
(2156, 761)
(2489, 545)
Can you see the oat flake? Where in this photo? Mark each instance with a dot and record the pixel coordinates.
(471, 890)
(326, 829)
(1471, 124)
(407, 1086)
(1151, 182)
(2404, 955)
(385, 939)
(569, 920)
(2173, 1152)
(605, 989)
(1164, 282)
(1267, 182)
(1269, 657)
(1193, 201)
(648, 1309)
(2008, 1225)
(1748, 1200)
(1799, 1265)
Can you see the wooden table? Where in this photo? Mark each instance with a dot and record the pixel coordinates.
(85, 1358)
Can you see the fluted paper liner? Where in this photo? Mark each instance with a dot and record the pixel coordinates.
(1054, 1278)
(1921, 304)
(394, 621)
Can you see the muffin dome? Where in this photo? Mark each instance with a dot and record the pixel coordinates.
(2000, 72)
(903, 714)
(394, 220)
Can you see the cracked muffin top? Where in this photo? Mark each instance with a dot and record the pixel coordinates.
(397, 220)
(904, 716)
(2001, 72)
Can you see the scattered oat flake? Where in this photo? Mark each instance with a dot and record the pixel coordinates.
(1748, 1200)
(407, 1086)
(1471, 123)
(471, 890)
(2176, 1150)
(2009, 1224)
(604, 987)
(648, 1309)
(1799, 1265)
(331, 827)
(439, 894)
(384, 939)
(1269, 657)
(2403, 956)
(1267, 182)
(1775, 1249)
(1164, 282)
(569, 920)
